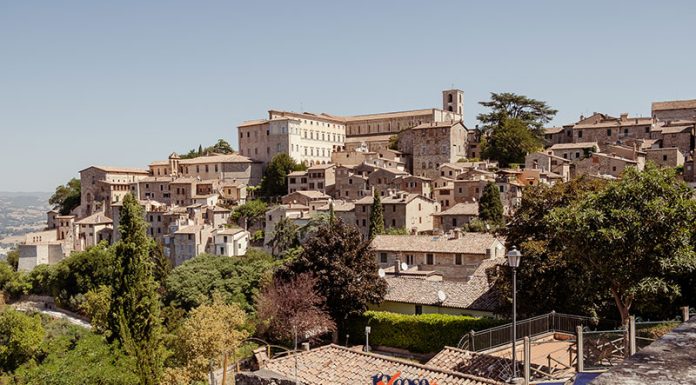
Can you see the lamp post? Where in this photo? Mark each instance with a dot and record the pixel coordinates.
(514, 256)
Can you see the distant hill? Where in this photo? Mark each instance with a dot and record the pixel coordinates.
(21, 213)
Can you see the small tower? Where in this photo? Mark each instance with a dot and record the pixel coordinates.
(174, 164)
(453, 100)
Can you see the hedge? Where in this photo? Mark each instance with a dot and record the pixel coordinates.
(425, 333)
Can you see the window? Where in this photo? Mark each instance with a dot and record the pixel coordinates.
(580, 134)
(364, 223)
(393, 222)
(457, 259)
(382, 257)
(429, 259)
(664, 158)
(409, 260)
(608, 131)
(577, 155)
(454, 222)
(419, 309)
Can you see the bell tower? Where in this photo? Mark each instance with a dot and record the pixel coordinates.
(453, 101)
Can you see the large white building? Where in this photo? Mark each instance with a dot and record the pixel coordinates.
(312, 138)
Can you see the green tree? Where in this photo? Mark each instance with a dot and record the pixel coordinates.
(96, 305)
(206, 334)
(376, 217)
(545, 272)
(20, 337)
(275, 175)
(236, 279)
(396, 231)
(222, 147)
(76, 356)
(635, 236)
(250, 213)
(531, 112)
(66, 197)
(134, 314)
(489, 206)
(345, 269)
(286, 236)
(12, 259)
(509, 142)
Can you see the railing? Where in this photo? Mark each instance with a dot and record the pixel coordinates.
(530, 327)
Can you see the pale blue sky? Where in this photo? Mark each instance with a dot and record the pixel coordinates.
(126, 82)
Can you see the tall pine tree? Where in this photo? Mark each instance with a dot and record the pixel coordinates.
(490, 206)
(376, 217)
(134, 319)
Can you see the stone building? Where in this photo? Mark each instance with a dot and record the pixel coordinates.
(433, 144)
(455, 217)
(605, 129)
(665, 157)
(674, 110)
(229, 242)
(679, 134)
(320, 177)
(573, 151)
(456, 255)
(40, 248)
(401, 210)
(548, 162)
(313, 138)
(102, 186)
(306, 198)
(306, 137)
(600, 164)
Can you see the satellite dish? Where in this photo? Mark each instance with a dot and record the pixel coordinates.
(441, 296)
(381, 273)
(404, 266)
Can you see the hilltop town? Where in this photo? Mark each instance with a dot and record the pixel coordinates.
(425, 165)
(404, 214)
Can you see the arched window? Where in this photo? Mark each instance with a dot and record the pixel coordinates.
(449, 98)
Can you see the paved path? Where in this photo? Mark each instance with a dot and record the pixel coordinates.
(54, 313)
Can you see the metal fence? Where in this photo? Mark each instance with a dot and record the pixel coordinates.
(530, 327)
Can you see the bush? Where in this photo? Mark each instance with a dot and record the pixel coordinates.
(423, 333)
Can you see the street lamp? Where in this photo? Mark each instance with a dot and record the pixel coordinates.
(514, 256)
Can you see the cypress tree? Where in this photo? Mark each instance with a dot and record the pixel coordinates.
(134, 315)
(376, 217)
(490, 206)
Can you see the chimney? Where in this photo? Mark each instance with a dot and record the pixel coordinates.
(624, 116)
(305, 346)
(397, 267)
(456, 233)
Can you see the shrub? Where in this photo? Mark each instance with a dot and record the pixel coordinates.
(423, 333)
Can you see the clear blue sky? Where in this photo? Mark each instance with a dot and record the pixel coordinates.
(126, 82)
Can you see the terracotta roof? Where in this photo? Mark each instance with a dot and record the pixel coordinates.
(228, 158)
(229, 231)
(297, 173)
(339, 205)
(600, 154)
(95, 219)
(460, 209)
(553, 130)
(387, 115)
(332, 364)
(571, 146)
(675, 129)
(674, 105)
(193, 229)
(313, 194)
(615, 122)
(478, 364)
(160, 163)
(468, 243)
(119, 170)
(253, 122)
(400, 197)
(475, 294)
